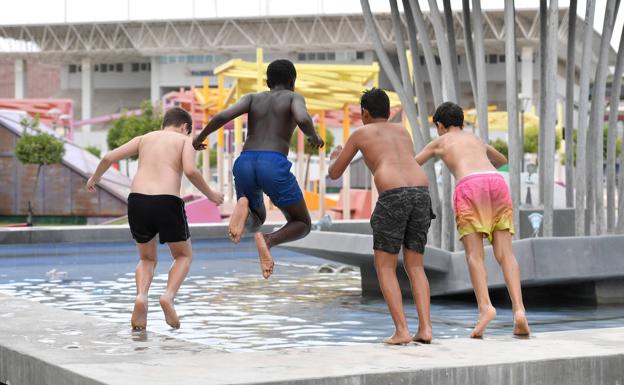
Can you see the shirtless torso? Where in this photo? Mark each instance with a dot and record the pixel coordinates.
(463, 153)
(160, 163)
(271, 121)
(388, 153)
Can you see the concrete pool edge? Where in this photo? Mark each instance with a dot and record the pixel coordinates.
(121, 233)
(106, 353)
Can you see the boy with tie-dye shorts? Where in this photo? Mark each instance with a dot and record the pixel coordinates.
(482, 209)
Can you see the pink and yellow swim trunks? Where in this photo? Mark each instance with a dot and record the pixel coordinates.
(483, 204)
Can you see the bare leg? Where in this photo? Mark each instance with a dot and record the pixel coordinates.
(238, 219)
(473, 245)
(503, 252)
(385, 264)
(182, 256)
(415, 268)
(144, 274)
(298, 225)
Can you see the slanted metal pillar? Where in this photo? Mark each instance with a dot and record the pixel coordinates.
(526, 85)
(323, 134)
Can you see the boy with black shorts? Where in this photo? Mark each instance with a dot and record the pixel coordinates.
(155, 207)
(403, 212)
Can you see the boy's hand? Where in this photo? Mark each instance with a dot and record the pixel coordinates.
(198, 145)
(336, 153)
(91, 184)
(215, 197)
(316, 141)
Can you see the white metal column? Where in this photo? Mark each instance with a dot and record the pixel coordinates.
(155, 79)
(20, 78)
(87, 92)
(526, 85)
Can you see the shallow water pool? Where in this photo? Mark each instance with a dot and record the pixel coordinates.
(226, 304)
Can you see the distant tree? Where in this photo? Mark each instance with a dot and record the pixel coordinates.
(531, 139)
(94, 150)
(500, 146)
(37, 147)
(127, 127)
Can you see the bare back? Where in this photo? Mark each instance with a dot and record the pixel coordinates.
(160, 163)
(270, 121)
(389, 154)
(463, 153)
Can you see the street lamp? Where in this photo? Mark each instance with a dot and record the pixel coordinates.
(525, 101)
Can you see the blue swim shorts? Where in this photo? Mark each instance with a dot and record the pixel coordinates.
(268, 171)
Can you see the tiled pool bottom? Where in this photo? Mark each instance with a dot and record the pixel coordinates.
(225, 303)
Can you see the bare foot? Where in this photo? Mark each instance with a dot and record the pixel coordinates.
(237, 220)
(171, 317)
(139, 314)
(521, 325)
(485, 316)
(399, 339)
(266, 260)
(423, 337)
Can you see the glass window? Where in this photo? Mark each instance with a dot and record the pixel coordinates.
(359, 55)
(96, 68)
(492, 59)
(119, 67)
(320, 56)
(143, 66)
(437, 60)
(111, 67)
(135, 67)
(181, 59)
(301, 56)
(79, 67)
(501, 58)
(163, 60)
(331, 56)
(172, 59)
(311, 56)
(190, 59)
(72, 68)
(209, 58)
(149, 66)
(103, 68)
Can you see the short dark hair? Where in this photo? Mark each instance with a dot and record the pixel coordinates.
(281, 72)
(176, 117)
(449, 114)
(376, 102)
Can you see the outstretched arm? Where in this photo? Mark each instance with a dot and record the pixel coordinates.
(304, 121)
(237, 109)
(496, 158)
(122, 152)
(194, 176)
(426, 153)
(341, 157)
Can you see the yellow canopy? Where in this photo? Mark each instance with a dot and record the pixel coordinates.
(324, 86)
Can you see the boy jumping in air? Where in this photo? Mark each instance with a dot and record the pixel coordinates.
(263, 165)
(403, 212)
(155, 207)
(482, 209)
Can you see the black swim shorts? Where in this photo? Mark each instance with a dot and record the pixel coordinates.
(164, 215)
(402, 216)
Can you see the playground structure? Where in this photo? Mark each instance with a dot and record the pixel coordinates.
(331, 91)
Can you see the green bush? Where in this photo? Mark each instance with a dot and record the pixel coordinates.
(128, 127)
(94, 150)
(531, 139)
(39, 149)
(309, 150)
(500, 146)
(213, 158)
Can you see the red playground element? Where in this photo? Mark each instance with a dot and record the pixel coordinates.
(51, 112)
(360, 204)
(202, 211)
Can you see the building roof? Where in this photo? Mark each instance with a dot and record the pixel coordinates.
(76, 158)
(130, 40)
